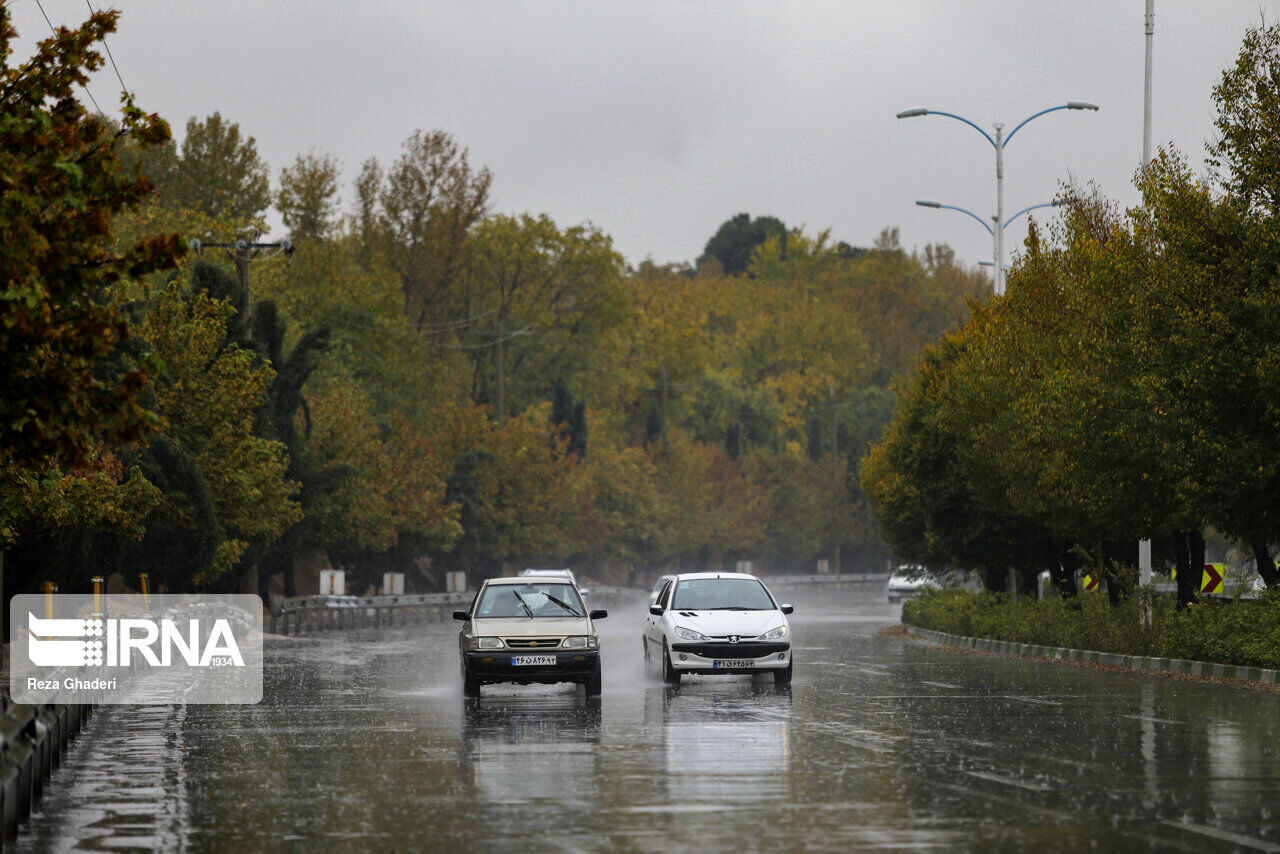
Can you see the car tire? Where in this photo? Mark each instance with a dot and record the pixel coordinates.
(592, 682)
(470, 682)
(782, 676)
(669, 674)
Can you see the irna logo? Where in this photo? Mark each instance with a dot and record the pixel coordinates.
(114, 642)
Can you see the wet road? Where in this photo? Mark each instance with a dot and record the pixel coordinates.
(879, 744)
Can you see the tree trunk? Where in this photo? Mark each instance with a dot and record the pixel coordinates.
(1266, 564)
(1065, 577)
(1188, 587)
(1115, 588)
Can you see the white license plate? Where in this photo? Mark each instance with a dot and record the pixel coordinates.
(519, 660)
(733, 662)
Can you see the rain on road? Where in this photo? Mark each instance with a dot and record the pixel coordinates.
(367, 744)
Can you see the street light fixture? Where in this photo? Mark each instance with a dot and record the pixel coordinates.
(998, 142)
(927, 203)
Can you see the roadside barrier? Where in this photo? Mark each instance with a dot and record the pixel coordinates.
(1148, 663)
(32, 741)
(310, 614)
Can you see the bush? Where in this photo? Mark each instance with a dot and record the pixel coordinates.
(1245, 632)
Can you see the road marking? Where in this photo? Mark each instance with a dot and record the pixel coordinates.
(1010, 781)
(1153, 720)
(874, 748)
(1033, 700)
(683, 808)
(1226, 836)
(939, 684)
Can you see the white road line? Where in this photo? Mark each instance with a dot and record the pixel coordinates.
(1033, 700)
(1153, 720)
(1226, 836)
(1010, 781)
(939, 684)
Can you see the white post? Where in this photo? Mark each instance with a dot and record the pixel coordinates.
(999, 221)
(1150, 29)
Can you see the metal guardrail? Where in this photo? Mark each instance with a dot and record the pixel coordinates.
(32, 742)
(842, 578)
(309, 614)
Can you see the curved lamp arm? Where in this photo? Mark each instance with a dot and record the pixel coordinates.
(981, 221)
(922, 111)
(1033, 207)
(1070, 105)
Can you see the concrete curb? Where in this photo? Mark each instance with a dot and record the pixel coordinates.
(1133, 662)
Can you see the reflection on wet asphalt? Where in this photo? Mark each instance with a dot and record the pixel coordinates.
(879, 743)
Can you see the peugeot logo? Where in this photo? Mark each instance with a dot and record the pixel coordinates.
(733, 638)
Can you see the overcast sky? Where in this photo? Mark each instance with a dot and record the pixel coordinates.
(659, 120)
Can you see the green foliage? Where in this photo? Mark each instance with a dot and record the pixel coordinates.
(218, 173)
(737, 238)
(1242, 632)
(59, 315)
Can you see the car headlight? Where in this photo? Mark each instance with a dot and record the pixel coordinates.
(580, 642)
(777, 633)
(489, 643)
(690, 634)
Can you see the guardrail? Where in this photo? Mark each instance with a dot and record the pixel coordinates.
(842, 578)
(309, 614)
(306, 614)
(32, 741)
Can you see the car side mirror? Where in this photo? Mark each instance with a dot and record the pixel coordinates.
(656, 610)
(788, 609)
(461, 615)
(599, 614)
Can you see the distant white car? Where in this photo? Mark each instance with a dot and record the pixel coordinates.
(709, 623)
(907, 582)
(657, 587)
(555, 573)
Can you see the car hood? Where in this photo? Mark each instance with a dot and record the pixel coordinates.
(531, 627)
(747, 624)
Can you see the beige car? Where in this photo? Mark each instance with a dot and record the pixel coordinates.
(527, 630)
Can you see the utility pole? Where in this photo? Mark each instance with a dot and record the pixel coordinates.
(835, 467)
(243, 252)
(1149, 31)
(498, 402)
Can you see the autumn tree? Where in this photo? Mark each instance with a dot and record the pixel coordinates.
(60, 317)
(307, 198)
(218, 172)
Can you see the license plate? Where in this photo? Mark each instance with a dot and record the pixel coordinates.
(733, 662)
(519, 660)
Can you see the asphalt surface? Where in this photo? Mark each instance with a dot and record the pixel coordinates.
(880, 744)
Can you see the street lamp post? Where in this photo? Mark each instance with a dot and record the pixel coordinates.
(996, 237)
(998, 142)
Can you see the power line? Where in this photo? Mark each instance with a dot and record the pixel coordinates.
(114, 67)
(54, 30)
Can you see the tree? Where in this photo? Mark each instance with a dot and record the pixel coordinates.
(219, 172)
(737, 238)
(59, 315)
(426, 205)
(307, 197)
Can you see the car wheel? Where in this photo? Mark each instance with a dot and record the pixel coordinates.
(782, 676)
(470, 682)
(592, 682)
(669, 674)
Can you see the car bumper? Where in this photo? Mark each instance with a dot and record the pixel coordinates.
(724, 658)
(497, 666)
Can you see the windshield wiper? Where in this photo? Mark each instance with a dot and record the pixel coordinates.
(568, 608)
(523, 604)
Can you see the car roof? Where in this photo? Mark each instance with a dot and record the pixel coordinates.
(532, 579)
(689, 576)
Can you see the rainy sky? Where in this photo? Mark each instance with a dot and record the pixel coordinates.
(657, 120)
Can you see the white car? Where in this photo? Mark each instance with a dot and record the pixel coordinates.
(556, 573)
(657, 587)
(907, 582)
(718, 622)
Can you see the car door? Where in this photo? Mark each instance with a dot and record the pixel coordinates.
(653, 623)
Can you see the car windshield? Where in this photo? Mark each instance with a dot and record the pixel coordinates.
(721, 594)
(532, 599)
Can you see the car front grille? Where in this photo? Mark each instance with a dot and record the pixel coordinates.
(532, 643)
(750, 649)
